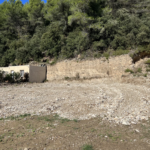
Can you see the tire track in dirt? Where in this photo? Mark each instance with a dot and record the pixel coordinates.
(113, 101)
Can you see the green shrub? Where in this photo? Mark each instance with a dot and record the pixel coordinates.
(1, 76)
(106, 54)
(17, 76)
(148, 70)
(97, 55)
(66, 78)
(129, 70)
(139, 70)
(9, 78)
(83, 55)
(75, 120)
(87, 147)
(99, 45)
(147, 62)
(120, 52)
(51, 40)
(53, 62)
(64, 120)
(76, 40)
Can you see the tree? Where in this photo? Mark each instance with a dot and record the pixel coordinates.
(51, 40)
(66, 28)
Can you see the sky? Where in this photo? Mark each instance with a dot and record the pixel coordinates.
(23, 1)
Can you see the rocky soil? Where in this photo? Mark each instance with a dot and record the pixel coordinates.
(122, 103)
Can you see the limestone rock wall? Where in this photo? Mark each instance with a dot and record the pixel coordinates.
(97, 68)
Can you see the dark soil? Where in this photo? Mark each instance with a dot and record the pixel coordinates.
(55, 133)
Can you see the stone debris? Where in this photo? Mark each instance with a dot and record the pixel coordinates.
(125, 122)
(115, 102)
(136, 130)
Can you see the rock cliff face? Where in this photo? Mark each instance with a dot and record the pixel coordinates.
(97, 68)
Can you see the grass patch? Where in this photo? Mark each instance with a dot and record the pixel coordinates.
(49, 119)
(76, 128)
(145, 75)
(2, 137)
(77, 77)
(101, 135)
(75, 120)
(139, 70)
(25, 115)
(114, 138)
(53, 62)
(147, 62)
(147, 70)
(129, 70)
(16, 117)
(87, 147)
(120, 52)
(64, 120)
(21, 135)
(10, 134)
(93, 130)
(67, 78)
(106, 55)
(54, 118)
(97, 55)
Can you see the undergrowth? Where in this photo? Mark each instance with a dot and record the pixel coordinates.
(87, 147)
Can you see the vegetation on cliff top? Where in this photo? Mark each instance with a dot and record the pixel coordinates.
(63, 29)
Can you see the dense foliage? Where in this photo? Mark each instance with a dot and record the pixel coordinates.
(15, 77)
(65, 28)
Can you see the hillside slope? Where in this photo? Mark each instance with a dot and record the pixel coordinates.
(64, 29)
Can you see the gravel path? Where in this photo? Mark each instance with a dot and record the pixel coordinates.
(116, 102)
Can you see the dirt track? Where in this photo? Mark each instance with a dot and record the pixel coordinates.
(117, 102)
(107, 102)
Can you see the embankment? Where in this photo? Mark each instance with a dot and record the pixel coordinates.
(96, 68)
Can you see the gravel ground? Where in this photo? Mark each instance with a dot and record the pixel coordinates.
(113, 101)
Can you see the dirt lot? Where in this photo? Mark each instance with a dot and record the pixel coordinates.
(117, 102)
(55, 133)
(102, 113)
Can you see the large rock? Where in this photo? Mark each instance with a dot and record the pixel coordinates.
(125, 123)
